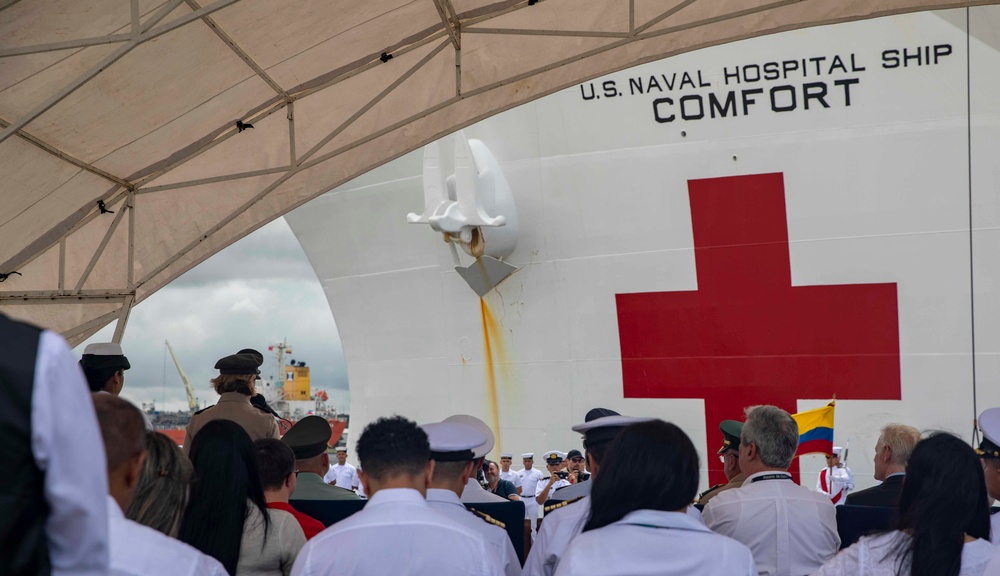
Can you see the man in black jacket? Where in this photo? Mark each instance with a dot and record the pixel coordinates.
(892, 451)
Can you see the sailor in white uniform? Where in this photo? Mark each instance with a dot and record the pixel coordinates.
(530, 477)
(507, 474)
(452, 446)
(397, 532)
(836, 480)
(565, 521)
(104, 364)
(989, 453)
(556, 478)
(343, 473)
(474, 491)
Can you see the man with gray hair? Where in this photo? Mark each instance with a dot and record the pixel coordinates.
(892, 452)
(791, 530)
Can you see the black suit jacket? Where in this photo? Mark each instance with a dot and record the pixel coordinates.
(885, 494)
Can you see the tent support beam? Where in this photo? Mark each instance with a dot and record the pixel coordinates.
(123, 316)
(291, 134)
(49, 296)
(95, 323)
(214, 179)
(130, 271)
(67, 45)
(656, 20)
(100, 248)
(445, 15)
(526, 32)
(210, 22)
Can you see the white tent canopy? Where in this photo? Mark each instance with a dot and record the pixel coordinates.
(135, 106)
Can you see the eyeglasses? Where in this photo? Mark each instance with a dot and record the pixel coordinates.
(576, 460)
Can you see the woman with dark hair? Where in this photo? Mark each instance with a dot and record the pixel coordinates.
(942, 518)
(164, 482)
(638, 520)
(227, 517)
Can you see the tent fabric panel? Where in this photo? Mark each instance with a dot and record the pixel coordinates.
(264, 146)
(431, 85)
(49, 21)
(66, 316)
(322, 112)
(565, 16)
(133, 99)
(27, 80)
(38, 274)
(27, 170)
(83, 244)
(520, 55)
(311, 36)
(189, 213)
(203, 124)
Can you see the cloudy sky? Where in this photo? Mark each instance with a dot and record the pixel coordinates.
(259, 291)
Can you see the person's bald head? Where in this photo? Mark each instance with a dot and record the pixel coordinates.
(124, 436)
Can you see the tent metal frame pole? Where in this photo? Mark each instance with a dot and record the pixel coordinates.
(290, 114)
(123, 317)
(95, 323)
(30, 296)
(100, 248)
(214, 179)
(446, 14)
(130, 269)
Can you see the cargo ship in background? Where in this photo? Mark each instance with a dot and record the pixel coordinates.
(293, 398)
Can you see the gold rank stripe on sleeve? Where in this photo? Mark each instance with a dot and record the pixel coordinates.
(561, 504)
(488, 518)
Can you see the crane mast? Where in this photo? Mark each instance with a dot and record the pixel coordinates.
(192, 401)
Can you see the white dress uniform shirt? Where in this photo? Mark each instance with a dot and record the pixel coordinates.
(138, 550)
(66, 443)
(346, 476)
(559, 483)
(529, 482)
(790, 529)
(993, 567)
(655, 543)
(558, 529)
(397, 533)
(995, 529)
(447, 503)
(474, 492)
(876, 556)
(512, 477)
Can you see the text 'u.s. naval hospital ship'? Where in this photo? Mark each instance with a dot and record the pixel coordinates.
(778, 221)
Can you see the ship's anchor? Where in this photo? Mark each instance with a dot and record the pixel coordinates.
(456, 206)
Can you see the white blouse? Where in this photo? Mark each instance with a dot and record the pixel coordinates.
(876, 556)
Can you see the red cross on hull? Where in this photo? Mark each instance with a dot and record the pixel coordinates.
(747, 336)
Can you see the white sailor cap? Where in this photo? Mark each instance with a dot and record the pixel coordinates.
(453, 441)
(602, 425)
(989, 425)
(506, 455)
(837, 451)
(104, 355)
(554, 456)
(528, 456)
(478, 424)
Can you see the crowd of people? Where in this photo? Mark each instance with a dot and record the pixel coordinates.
(627, 504)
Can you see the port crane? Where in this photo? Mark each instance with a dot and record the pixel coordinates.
(192, 401)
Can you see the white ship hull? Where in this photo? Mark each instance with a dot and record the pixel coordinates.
(886, 168)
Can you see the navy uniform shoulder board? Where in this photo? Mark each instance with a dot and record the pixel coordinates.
(561, 504)
(710, 490)
(203, 409)
(488, 518)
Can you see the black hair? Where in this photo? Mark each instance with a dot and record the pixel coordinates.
(943, 499)
(650, 466)
(98, 377)
(393, 446)
(226, 468)
(275, 461)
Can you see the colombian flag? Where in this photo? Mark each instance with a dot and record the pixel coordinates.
(815, 430)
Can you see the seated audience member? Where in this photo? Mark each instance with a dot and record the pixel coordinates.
(564, 523)
(452, 446)
(53, 488)
(397, 532)
(137, 549)
(227, 517)
(474, 491)
(892, 451)
(807, 535)
(164, 484)
(309, 440)
(729, 454)
(638, 520)
(944, 526)
(276, 463)
(497, 485)
(989, 454)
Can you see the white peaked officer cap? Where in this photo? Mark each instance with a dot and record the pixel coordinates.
(989, 425)
(837, 450)
(453, 441)
(599, 429)
(553, 456)
(478, 425)
(528, 456)
(104, 355)
(506, 455)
